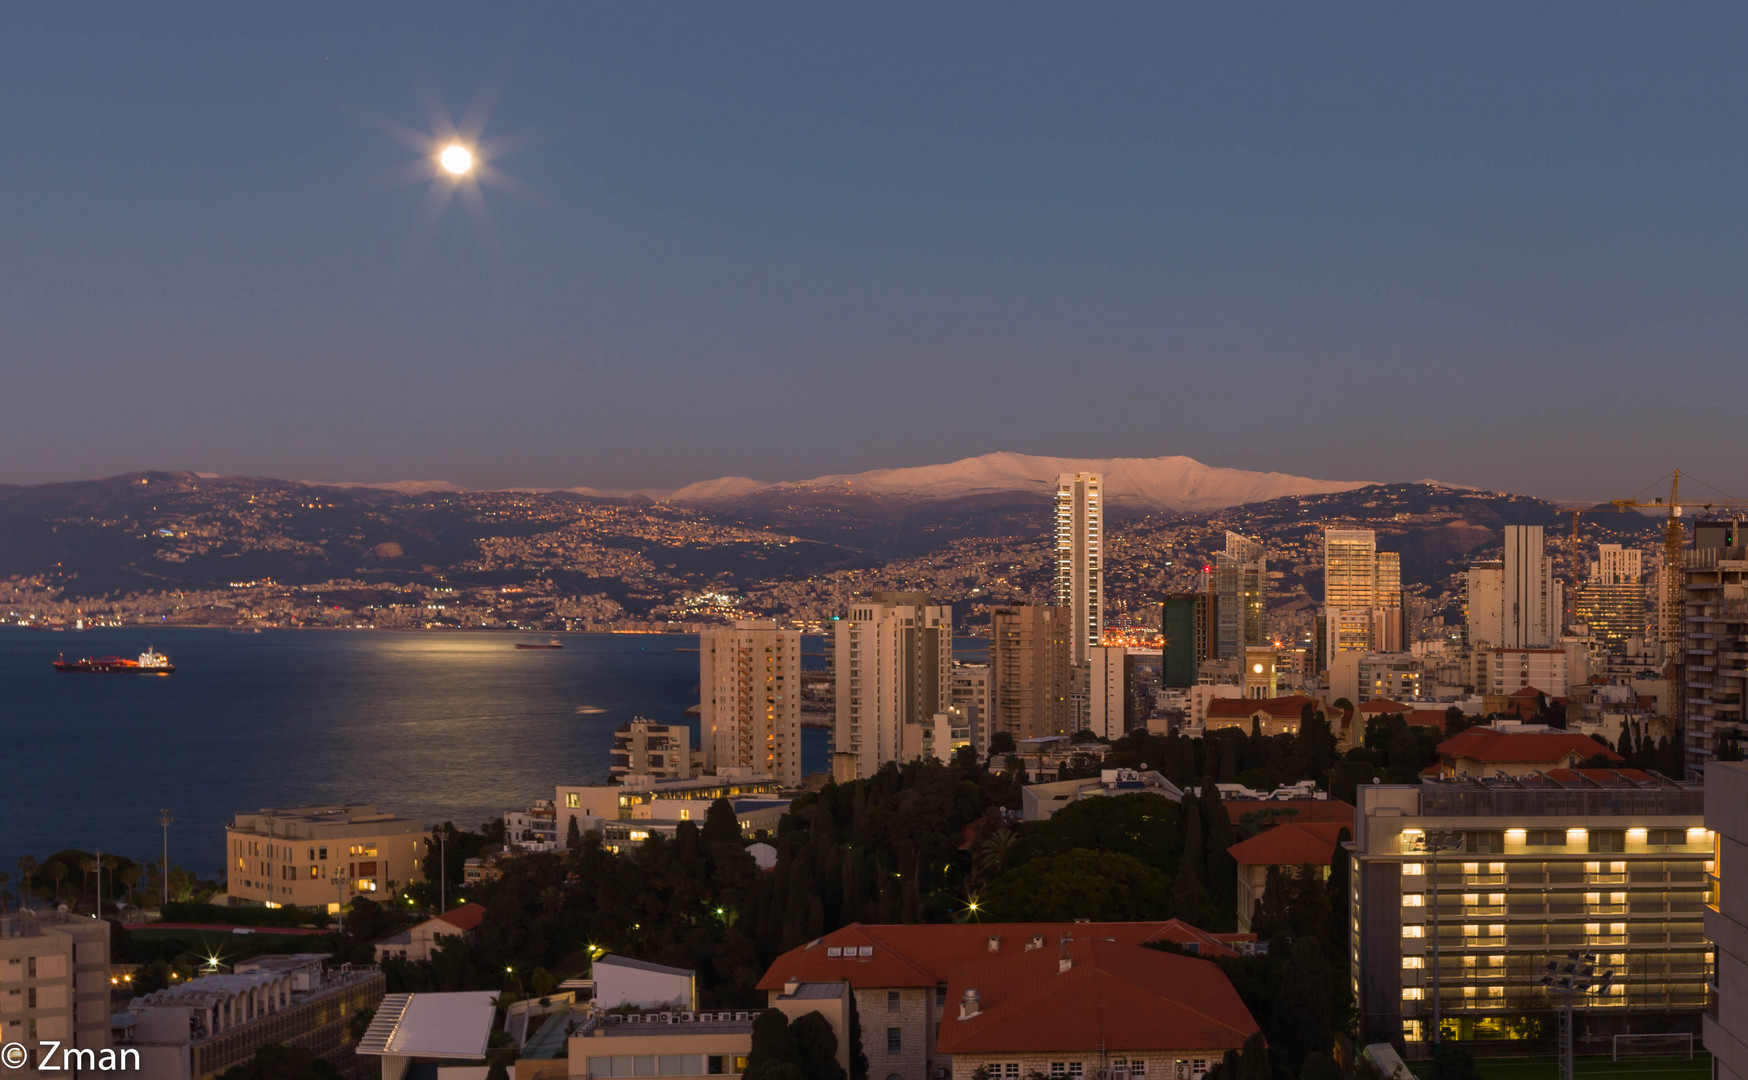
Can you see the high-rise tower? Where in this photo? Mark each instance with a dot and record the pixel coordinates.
(1362, 594)
(1080, 581)
(749, 686)
(894, 660)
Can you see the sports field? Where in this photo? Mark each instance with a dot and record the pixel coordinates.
(1639, 1068)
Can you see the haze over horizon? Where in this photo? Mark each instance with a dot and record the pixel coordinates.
(1490, 246)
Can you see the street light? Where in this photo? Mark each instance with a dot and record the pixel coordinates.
(1573, 977)
(1434, 843)
(165, 820)
(339, 879)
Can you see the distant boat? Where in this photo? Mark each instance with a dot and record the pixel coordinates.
(551, 643)
(589, 710)
(151, 662)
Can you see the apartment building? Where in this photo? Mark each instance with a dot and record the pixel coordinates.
(970, 697)
(533, 829)
(1715, 643)
(749, 680)
(1613, 861)
(292, 856)
(894, 664)
(646, 748)
(1504, 671)
(1029, 670)
(1080, 579)
(54, 982)
(1725, 1024)
(198, 1029)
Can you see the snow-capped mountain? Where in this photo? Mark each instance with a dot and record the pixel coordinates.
(1166, 483)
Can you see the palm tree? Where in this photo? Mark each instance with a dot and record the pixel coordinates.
(58, 871)
(996, 848)
(129, 879)
(552, 899)
(26, 870)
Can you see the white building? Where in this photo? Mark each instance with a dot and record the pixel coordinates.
(54, 981)
(749, 685)
(1107, 689)
(1080, 582)
(971, 698)
(621, 981)
(1506, 671)
(1532, 600)
(894, 660)
(533, 829)
(646, 748)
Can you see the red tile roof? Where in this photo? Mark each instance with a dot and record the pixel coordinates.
(1291, 844)
(926, 954)
(465, 917)
(1113, 997)
(1281, 707)
(1490, 746)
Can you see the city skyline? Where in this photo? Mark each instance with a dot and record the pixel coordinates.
(768, 214)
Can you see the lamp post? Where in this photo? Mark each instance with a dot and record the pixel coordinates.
(339, 879)
(1433, 843)
(165, 819)
(1573, 977)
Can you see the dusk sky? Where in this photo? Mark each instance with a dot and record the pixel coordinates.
(1500, 246)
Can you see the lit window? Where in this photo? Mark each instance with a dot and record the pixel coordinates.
(1413, 869)
(1413, 931)
(1413, 963)
(1413, 993)
(1413, 899)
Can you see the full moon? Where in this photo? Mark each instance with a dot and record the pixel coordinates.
(456, 159)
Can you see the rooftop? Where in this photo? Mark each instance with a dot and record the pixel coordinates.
(615, 960)
(1291, 844)
(1563, 792)
(452, 1026)
(1290, 706)
(1092, 994)
(1489, 745)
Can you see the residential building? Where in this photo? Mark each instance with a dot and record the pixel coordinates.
(1611, 605)
(645, 748)
(1715, 644)
(533, 829)
(1275, 716)
(422, 940)
(321, 856)
(970, 698)
(1029, 655)
(198, 1029)
(894, 662)
(1725, 1023)
(624, 980)
(912, 983)
(1611, 861)
(1187, 627)
(1110, 694)
(626, 816)
(1362, 595)
(1240, 591)
(1080, 582)
(54, 982)
(1291, 848)
(749, 710)
(1389, 675)
(1505, 671)
(1484, 603)
(1531, 599)
(1039, 802)
(430, 1035)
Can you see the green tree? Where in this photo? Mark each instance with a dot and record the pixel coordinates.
(1002, 742)
(721, 825)
(573, 837)
(816, 1047)
(497, 1070)
(1253, 1060)
(1299, 1024)
(1101, 886)
(772, 1044)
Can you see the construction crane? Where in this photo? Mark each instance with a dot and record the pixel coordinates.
(1672, 584)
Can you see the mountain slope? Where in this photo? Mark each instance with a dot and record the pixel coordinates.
(1163, 483)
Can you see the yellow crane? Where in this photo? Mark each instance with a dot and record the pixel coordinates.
(1672, 580)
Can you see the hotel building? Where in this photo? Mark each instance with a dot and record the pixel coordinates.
(290, 857)
(1612, 861)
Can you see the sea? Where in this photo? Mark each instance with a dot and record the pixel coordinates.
(435, 725)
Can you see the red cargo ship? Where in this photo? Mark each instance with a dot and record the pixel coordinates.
(150, 662)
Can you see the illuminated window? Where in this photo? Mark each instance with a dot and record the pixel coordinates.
(1413, 869)
(1413, 963)
(1413, 899)
(1413, 931)
(572, 800)
(1413, 993)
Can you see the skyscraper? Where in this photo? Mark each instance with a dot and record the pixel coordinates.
(1362, 594)
(1080, 582)
(1531, 601)
(1612, 603)
(894, 660)
(749, 687)
(1029, 671)
(1240, 593)
(1188, 629)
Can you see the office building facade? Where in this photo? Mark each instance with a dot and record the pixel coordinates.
(894, 661)
(749, 708)
(1240, 588)
(1080, 582)
(1362, 595)
(1612, 861)
(1186, 627)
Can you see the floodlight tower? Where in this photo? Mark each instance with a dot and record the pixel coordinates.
(1573, 977)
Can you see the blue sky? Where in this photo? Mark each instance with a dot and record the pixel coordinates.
(1497, 245)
